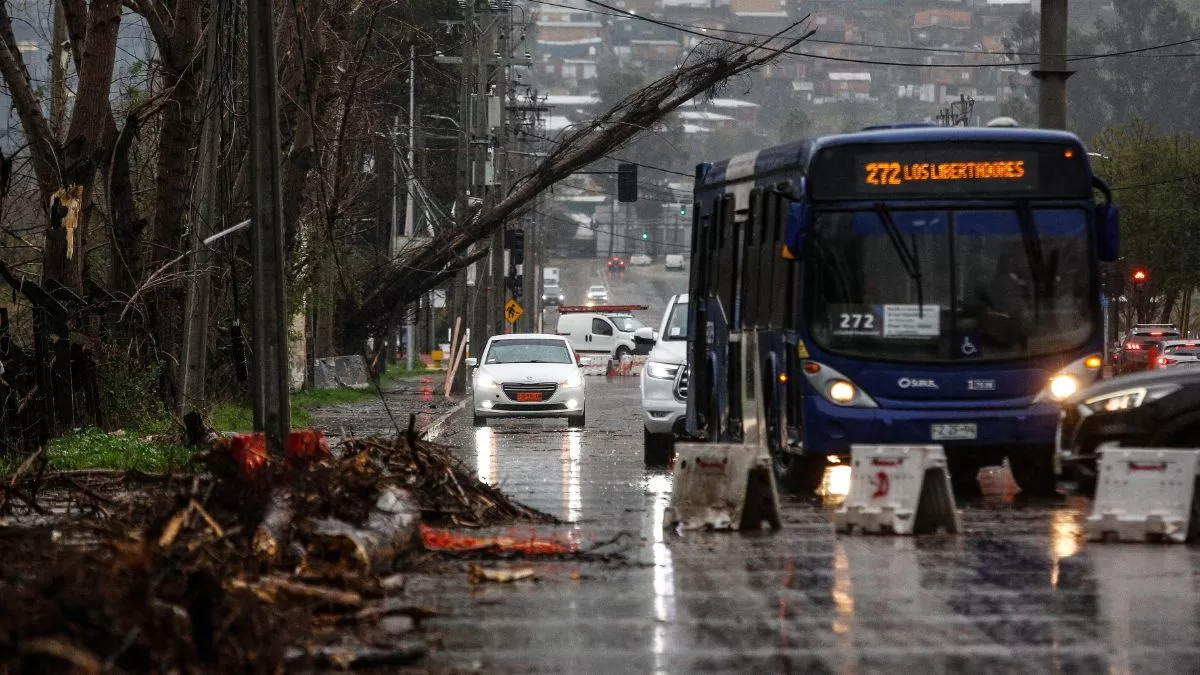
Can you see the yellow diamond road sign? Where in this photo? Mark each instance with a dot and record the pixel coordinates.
(512, 310)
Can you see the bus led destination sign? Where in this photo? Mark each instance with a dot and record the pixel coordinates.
(899, 173)
(945, 172)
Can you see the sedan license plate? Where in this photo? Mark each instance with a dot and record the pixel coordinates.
(529, 396)
(964, 431)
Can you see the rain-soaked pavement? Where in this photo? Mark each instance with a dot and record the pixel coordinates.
(1018, 591)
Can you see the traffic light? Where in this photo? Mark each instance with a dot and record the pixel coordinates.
(627, 182)
(682, 210)
(645, 236)
(1140, 277)
(516, 244)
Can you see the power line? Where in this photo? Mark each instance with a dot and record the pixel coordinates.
(875, 62)
(613, 157)
(1166, 181)
(593, 228)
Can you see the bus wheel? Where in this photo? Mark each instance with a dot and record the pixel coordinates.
(799, 474)
(1033, 470)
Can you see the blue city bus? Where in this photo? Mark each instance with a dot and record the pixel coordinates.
(905, 285)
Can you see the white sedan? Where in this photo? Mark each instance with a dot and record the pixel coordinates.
(597, 293)
(528, 375)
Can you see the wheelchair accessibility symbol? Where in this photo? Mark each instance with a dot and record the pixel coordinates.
(968, 348)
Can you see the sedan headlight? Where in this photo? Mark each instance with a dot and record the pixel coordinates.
(1125, 399)
(661, 371)
(484, 381)
(573, 382)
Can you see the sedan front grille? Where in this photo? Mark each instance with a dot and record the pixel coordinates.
(546, 389)
(681, 384)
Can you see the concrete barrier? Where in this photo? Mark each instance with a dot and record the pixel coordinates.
(341, 371)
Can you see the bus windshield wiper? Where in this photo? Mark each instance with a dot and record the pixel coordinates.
(1033, 251)
(908, 257)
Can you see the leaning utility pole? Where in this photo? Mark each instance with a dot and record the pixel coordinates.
(1052, 72)
(270, 386)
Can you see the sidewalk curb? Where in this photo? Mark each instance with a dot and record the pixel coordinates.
(434, 429)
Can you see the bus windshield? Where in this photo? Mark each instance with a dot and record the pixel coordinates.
(996, 283)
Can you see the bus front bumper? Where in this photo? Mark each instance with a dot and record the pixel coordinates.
(831, 429)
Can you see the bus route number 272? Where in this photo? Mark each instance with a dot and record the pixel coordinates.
(883, 173)
(853, 321)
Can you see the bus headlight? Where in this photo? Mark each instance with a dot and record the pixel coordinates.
(836, 387)
(1063, 386)
(841, 391)
(1067, 382)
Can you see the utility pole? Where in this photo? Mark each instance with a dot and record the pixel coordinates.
(271, 393)
(1052, 72)
(410, 226)
(193, 367)
(459, 305)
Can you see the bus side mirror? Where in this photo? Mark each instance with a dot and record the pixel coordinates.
(795, 231)
(1108, 232)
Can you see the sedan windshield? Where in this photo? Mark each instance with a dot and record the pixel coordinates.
(944, 285)
(528, 351)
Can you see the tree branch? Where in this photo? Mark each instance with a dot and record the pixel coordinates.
(159, 28)
(35, 125)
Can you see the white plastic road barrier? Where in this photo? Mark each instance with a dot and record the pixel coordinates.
(722, 486)
(898, 489)
(1145, 494)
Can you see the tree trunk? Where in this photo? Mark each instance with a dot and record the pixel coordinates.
(176, 154)
(1168, 307)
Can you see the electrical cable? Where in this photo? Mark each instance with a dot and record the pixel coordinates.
(875, 62)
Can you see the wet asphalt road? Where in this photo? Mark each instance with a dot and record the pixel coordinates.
(1019, 591)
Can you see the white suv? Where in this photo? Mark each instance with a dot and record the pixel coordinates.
(664, 385)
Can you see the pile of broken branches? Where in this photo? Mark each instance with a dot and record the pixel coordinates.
(293, 567)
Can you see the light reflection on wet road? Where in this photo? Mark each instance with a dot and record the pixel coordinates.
(1019, 591)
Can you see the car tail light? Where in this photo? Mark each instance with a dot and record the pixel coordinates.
(1156, 335)
(1133, 346)
(1164, 361)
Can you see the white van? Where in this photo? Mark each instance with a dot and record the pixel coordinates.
(673, 261)
(605, 335)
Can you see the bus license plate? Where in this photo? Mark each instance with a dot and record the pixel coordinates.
(535, 396)
(964, 431)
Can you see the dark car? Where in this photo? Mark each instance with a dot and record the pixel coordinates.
(1140, 350)
(616, 266)
(1157, 409)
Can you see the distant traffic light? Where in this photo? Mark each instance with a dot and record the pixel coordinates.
(1140, 277)
(627, 188)
(645, 236)
(682, 210)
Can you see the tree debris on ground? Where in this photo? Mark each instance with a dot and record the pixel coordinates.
(294, 564)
